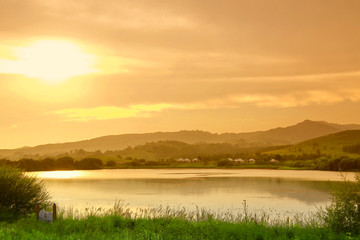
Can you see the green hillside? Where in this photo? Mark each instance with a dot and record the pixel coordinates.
(332, 145)
(156, 151)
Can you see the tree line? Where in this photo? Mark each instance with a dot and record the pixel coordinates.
(352, 148)
(62, 163)
(166, 153)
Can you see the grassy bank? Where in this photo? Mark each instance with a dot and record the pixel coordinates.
(117, 227)
(166, 223)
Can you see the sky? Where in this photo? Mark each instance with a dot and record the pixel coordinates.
(74, 70)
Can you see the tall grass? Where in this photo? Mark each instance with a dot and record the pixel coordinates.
(122, 222)
(122, 209)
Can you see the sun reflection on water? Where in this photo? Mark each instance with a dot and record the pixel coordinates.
(60, 174)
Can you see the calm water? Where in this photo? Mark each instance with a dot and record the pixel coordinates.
(214, 189)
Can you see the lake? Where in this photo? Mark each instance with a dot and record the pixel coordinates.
(219, 190)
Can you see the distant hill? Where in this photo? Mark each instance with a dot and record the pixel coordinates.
(164, 150)
(299, 132)
(278, 136)
(174, 149)
(332, 144)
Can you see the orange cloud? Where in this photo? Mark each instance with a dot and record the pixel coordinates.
(298, 99)
(110, 112)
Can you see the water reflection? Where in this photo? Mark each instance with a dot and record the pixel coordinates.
(212, 189)
(60, 174)
(196, 173)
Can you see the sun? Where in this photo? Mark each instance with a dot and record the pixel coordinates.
(51, 61)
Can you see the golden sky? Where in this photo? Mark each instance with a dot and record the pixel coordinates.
(72, 70)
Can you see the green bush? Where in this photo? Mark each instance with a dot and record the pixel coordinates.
(224, 163)
(111, 163)
(89, 163)
(19, 193)
(343, 214)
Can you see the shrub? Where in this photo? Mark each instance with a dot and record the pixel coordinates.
(19, 193)
(48, 164)
(29, 164)
(343, 214)
(89, 163)
(224, 163)
(111, 163)
(65, 163)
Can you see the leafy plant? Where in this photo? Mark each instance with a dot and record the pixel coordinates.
(19, 193)
(343, 214)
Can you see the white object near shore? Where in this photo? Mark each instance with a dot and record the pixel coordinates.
(45, 216)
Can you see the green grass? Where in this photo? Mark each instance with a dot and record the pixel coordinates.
(166, 223)
(118, 227)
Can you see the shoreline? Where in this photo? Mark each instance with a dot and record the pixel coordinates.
(186, 173)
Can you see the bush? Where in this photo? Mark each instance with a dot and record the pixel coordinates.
(29, 164)
(224, 163)
(19, 193)
(89, 163)
(111, 163)
(65, 163)
(343, 214)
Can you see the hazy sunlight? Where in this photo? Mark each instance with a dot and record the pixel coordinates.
(60, 174)
(50, 60)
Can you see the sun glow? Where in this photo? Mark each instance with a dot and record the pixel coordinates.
(50, 60)
(59, 174)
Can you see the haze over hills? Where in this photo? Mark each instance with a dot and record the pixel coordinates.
(298, 133)
(332, 144)
(279, 136)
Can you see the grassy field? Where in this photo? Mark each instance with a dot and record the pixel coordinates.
(118, 227)
(166, 223)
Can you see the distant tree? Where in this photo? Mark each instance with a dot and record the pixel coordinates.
(89, 163)
(29, 164)
(224, 163)
(334, 164)
(80, 151)
(352, 148)
(48, 164)
(322, 163)
(4, 161)
(111, 163)
(98, 153)
(65, 163)
(318, 151)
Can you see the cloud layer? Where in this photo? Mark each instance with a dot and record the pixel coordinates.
(169, 65)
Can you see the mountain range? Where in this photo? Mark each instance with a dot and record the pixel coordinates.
(278, 136)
